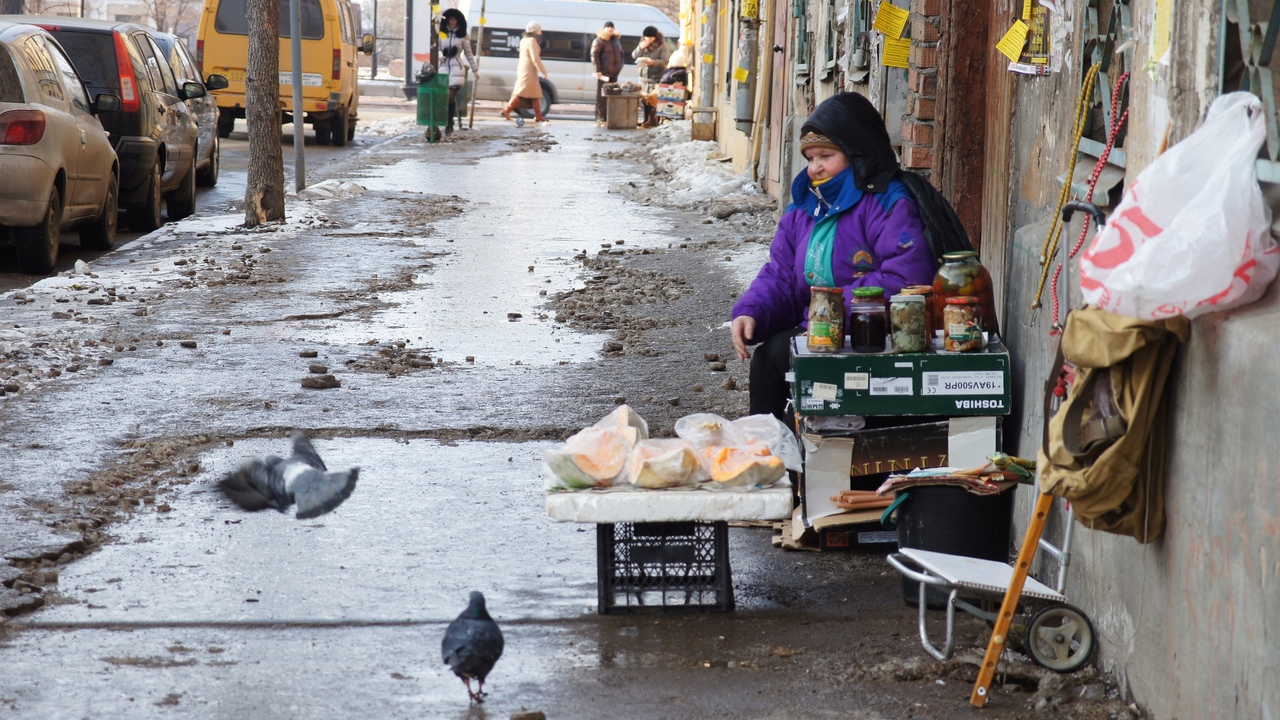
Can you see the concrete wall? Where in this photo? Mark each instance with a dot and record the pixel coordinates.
(1184, 622)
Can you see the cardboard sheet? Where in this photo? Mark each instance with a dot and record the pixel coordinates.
(970, 440)
(625, 505)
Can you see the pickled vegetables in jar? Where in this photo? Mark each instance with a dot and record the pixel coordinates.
(826, 319)
(962, 322)
(908, 323)
(962, 275)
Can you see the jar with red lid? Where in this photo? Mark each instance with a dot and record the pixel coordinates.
(962, 324)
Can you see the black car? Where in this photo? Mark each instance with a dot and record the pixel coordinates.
(203, 109)
(154, 134)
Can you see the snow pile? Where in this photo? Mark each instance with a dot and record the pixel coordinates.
(388, 127)
(331, 190)
(697, 170)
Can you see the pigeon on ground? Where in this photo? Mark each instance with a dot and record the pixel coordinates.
(472, 645)
(303, 479)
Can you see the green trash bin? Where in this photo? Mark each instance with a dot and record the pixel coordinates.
(433, 101)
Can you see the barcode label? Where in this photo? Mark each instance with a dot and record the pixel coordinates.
(892, 386)
(931, 379)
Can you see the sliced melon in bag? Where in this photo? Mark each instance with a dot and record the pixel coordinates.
(743, 465)
(664, 464)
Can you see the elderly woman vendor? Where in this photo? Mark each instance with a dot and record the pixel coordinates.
(850, 224)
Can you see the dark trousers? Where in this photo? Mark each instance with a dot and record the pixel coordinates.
(600, 98)
(770, 363)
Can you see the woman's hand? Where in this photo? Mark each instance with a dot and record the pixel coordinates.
(743, 326)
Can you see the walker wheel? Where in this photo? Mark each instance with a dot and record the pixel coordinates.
(1060, 638)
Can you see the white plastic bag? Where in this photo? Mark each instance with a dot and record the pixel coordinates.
(668, 463)
(707, 430)
(1192, 234)
(596, 456)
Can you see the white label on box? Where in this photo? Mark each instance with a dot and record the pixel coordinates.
(824, 391)
(857, 381)
(981, 382)
(791, 376)
(891, 386)
(903, 365)
(808, 403)
(877, 536)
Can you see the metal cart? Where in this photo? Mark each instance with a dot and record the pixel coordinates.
(1057, 635)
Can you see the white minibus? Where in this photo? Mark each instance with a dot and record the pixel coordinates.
(568, 27)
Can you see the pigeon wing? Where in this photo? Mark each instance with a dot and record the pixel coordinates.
(306, 452)
(472, 647)
(319, 492)
(256, 486)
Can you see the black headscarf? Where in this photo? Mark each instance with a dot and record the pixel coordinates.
(853, 124)
(461, 31)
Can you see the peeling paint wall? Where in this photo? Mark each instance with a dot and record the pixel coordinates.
(1185, 623)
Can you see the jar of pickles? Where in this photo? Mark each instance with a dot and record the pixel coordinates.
(908, 323)
(962, 321)
(826, 319)
(962, 275)
(868, 327)
(933, 321)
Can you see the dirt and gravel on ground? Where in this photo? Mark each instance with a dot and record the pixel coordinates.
(668, 354)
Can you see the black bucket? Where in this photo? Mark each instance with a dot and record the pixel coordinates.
(952, 520)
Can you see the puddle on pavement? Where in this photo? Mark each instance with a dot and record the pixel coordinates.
(427, 523)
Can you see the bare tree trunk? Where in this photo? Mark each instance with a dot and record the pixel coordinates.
(264, 194)
(10, 7)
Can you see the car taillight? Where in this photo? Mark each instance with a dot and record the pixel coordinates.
(200, 57)
(337, 64)
(128, 84)
(21, 127)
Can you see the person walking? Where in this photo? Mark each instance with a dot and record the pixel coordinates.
(606, 57)
(651, 55)
(455, 44)
(527, 87)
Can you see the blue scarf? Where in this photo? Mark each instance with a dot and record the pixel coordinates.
(824, 202)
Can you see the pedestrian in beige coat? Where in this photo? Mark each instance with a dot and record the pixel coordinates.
(527, 86)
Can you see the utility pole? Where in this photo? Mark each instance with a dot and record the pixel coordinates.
(410, 85)
(373, 59)
(295, 45)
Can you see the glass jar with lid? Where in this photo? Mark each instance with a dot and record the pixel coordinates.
(868, 327)
(962, 275)
(962, 321)
(826, 319)
(908, 323)
(933, 320)
(871, 293)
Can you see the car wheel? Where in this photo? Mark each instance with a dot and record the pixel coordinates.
(338, 127)
(182, 201)
(323, 132)
(145, 216)
(208, 175)
(38, 246)
(226, 123)
(101, 235)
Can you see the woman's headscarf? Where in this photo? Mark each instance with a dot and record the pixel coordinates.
(853, 123)
(461, 30)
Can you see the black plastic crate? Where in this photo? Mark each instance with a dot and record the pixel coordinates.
(664, 567)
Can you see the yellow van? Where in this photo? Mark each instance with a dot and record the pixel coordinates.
(330, 91)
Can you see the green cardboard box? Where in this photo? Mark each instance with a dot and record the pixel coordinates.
(931, 383)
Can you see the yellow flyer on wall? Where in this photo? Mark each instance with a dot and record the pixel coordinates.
(891, 20)
(896, 52)
(1011, 44)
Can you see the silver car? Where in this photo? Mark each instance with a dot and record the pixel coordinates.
(57, 168)
(204, 109)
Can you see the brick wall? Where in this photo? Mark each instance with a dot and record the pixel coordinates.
(918, 130)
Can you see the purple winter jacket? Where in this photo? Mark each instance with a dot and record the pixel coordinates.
(878, 241)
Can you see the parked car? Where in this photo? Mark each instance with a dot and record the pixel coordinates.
(204, 108)
(154, 134)
(330, 81)
(57, 168)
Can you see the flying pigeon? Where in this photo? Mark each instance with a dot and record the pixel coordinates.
(272, 482)
(472, 645)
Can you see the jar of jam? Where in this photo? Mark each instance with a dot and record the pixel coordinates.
(933, 319)
(868, 326)
(908, 323)
(962, 321)
(962, 274)
(826, 319)
(871, 293)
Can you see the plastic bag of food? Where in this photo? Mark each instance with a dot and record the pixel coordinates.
(703, 429)
(596, 456)
(665, 463)
(769, 431)
(742, 466)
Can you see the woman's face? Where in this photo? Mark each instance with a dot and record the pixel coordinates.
(452, 23)
(825, 162)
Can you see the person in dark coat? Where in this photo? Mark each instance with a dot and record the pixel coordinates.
(850, 224)
(607, 58)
